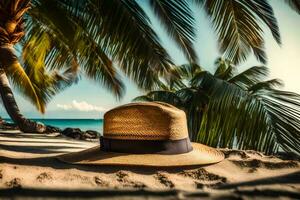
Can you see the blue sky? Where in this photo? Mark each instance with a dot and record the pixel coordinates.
(88, 99)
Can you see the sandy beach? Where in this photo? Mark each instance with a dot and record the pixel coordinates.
(28, 168)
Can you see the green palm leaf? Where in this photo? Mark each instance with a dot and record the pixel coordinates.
(163, 96)
(46, 84)
(183, 73)
(284, 113)
(249, 77)
(234, 119)
(265, 85)
(187, 71)
(18, 76)
(176, 17)
(66, 54)
(237, 111)
(225, 69)
(238, 28)
(132, 41)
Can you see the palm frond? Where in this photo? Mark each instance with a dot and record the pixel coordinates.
(283, 110)
(176, 16)
(58, 31)
(143, 98)
(265, 85)
(103, 71)
(202, 79)
(225, 69)
(249, 77)
(19, 78)
(294, 4)
(47, 84)
(97, 65)
(160, 95)
(235, 118)
(87, 53)
(237, 25)
(194, 101)
(183, 73)
(132, 42)
(187, 71)
(264, 12)
(242, 112)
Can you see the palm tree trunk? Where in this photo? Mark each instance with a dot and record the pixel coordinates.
(12, 108)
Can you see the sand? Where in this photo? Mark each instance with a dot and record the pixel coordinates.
(28, 168)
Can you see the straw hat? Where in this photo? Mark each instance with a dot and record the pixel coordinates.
(145, 134)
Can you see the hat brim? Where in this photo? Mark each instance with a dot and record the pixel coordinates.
(200, 155)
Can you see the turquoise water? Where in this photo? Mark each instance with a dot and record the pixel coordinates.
(83, 124)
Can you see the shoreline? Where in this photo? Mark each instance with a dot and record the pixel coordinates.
(27, 163)
(59, 124)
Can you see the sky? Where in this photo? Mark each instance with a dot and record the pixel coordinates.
(88, 99)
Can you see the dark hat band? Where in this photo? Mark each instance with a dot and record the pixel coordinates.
(146, 146)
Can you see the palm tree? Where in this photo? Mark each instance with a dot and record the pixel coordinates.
(93, 37)
(59, 39)
(226, 109)
(119, 33)
(11, 32)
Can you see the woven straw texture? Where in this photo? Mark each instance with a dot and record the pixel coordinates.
(145, 121)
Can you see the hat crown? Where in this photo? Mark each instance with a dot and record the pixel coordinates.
(145, 121)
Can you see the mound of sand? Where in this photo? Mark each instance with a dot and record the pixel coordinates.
(27, 161)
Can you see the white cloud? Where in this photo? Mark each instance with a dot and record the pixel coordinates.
(64, 107)
(80, 106)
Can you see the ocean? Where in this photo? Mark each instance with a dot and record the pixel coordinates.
(83, 124)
